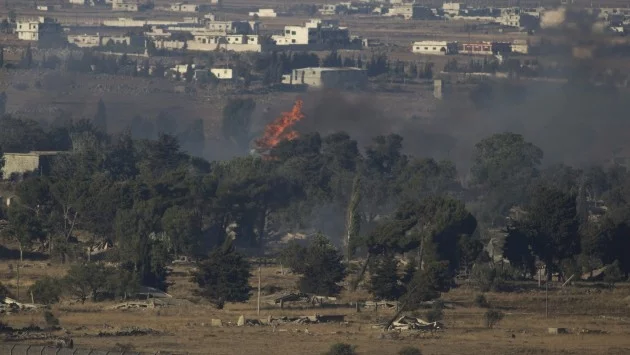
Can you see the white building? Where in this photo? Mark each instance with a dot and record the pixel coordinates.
(329, 9)
(264, 13)
(327, 77)
(451, 8)
(520, 46)
(44, 8)
(37, 29)
(186, 7)
(157, 33)
(125, 5)
(233, 27)
(77, 2)
(510, 20)
(98, 40)
(315, 31)
(409, 11)
(222, 73)
(434, 47)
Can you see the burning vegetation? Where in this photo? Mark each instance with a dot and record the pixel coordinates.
(281, 128)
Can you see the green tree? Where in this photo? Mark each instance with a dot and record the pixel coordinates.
(517, 249)
(183, 228)
(353, 218)
(613, 274)
(87, 280)
(46, 290)
(237, 121)
(28, 57)
(552, 226)
(224, 276)
(100, 118)
(3, 95)
(23, 226)
(503, 166)
(385, 283)
(321, 269)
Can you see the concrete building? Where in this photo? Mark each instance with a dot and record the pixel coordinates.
(77, 2)
(233, 27)
(329, 9)
(410, 11)
(170, 45)
(269, 13)
(434, 47)
(223, 73)
(186, 7)
(125, 5)
(327, 77)
(36, 162)
(315, 31)
(236, 43)
(135, 22)
(510, 20)
(99, 40)
(480, 48)
(45, 7)
(157, 33)
(520, 46)
(37, 29)
(451, 8)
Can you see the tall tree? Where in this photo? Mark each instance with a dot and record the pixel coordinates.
(321, 267)
(552, 226)
(353, 218)
(503, 167)
(3, 103)
(224, 276)
(100, 118)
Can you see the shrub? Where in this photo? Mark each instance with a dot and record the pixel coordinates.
(481, 301)
(4, 292)
(46, 290)
(492, 317)
(87, 280)
(410, 350)
(487, 278)
(436, 313)
(613, 274)
(342, 349)
(51, 320)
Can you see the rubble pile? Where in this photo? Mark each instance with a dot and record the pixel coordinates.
(412, 323)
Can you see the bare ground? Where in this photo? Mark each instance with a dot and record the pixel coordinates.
(187, 328)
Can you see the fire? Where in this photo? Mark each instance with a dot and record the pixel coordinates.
(281, 128)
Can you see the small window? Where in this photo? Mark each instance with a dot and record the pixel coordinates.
(292, 41)
(287, 31)
(426, 48)
(433, 48)
(293, 33)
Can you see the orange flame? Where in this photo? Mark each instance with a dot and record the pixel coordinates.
(281, 128)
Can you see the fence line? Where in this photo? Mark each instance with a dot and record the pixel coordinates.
(20, 349)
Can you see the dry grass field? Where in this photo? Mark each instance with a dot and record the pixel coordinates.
(186, 328)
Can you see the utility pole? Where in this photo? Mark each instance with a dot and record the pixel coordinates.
(546, 299)
(258, 306)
